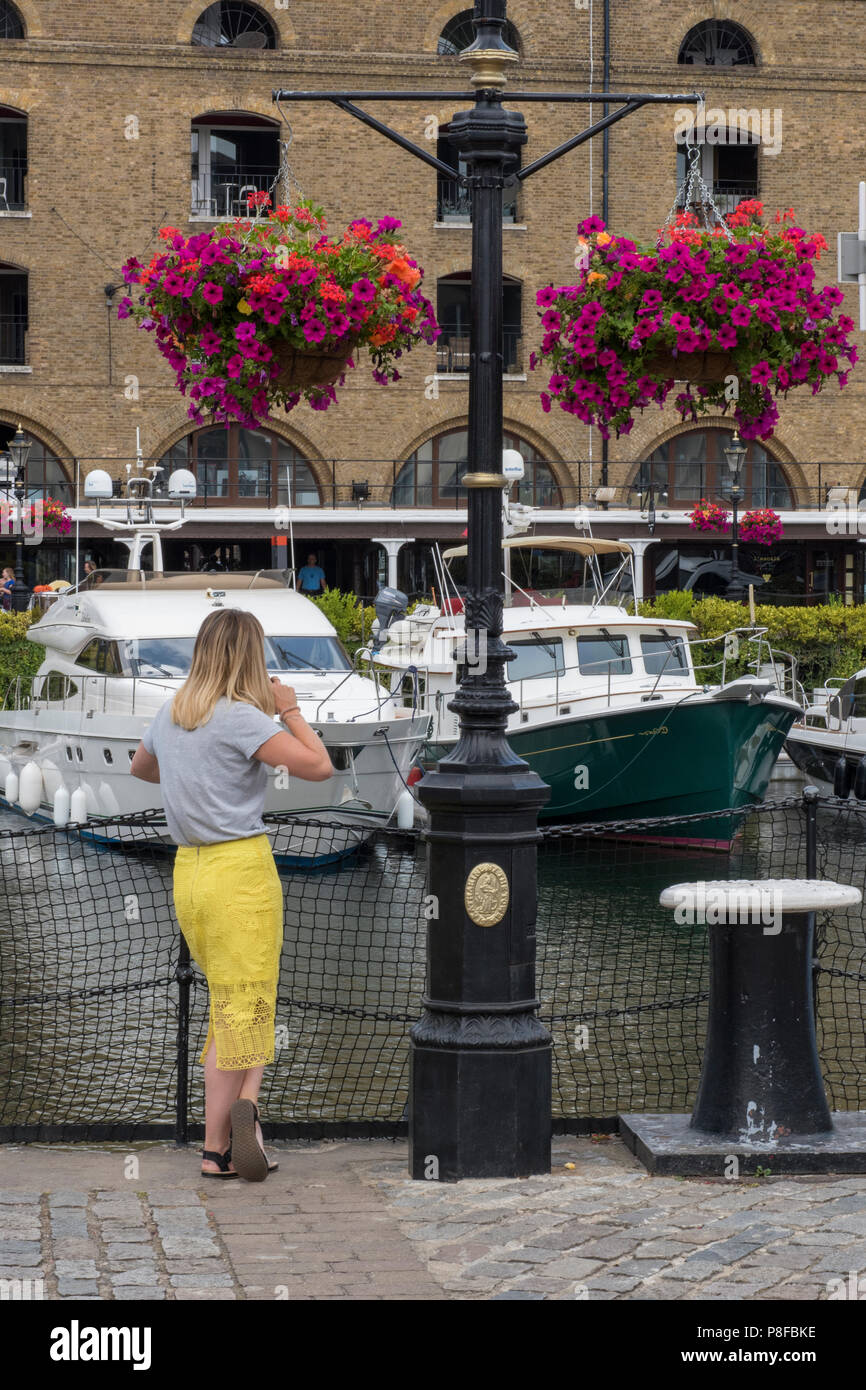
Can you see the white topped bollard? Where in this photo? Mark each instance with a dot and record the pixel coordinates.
(761, 1085)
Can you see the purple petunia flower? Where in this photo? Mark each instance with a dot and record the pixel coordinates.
(211, 292)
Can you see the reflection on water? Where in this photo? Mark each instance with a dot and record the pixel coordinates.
(621, 985)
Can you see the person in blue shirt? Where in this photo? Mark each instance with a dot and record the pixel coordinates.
(311, 578)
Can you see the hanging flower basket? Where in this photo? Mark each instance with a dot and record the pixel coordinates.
(709, 516)
(691, 366)
(701, 306)
(762, 527)
(264, 311)
(52, 515)
(300, 368)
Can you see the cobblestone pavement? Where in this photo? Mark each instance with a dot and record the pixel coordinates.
(342, 1220)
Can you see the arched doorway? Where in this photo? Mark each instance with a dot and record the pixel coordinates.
(431, 475)
(241, 467)
(692, 465)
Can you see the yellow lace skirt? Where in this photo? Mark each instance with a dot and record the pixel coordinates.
(229, 903)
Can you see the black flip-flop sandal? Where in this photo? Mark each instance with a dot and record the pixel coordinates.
(249, 1157)
(222, 1161)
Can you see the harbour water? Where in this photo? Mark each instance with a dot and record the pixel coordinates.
(88, 947)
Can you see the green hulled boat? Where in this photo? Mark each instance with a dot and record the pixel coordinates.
(611, 713)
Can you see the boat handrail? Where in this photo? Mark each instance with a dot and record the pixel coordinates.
(74, 696)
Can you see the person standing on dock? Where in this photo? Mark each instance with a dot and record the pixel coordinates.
(209, 748)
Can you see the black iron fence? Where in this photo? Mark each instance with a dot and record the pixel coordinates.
(102, 1016)
(13, 340)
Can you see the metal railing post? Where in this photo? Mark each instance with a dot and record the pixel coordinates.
(184, 975)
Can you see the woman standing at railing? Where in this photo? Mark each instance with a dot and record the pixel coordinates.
(209, 748)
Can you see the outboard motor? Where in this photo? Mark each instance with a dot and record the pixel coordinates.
(390, 605)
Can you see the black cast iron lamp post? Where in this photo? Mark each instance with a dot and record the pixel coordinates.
(480, 1089)
(735, 453)
(19, 450)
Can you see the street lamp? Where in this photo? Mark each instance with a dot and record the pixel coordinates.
(19, 450)
(735, 453)
(480, 1062)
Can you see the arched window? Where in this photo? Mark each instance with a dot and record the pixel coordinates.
(11, 23)
(692, 465)
(453, 308)
(237, 466)
(431, 475)
(228, 24)
(717, 43)
(459, 33)
(13, 159)
(14, 321)
(233, 154)
(45, 471)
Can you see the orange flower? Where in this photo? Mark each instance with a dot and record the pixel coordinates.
(383, 335)
(594, 276)
(604, 239)
(410, 275)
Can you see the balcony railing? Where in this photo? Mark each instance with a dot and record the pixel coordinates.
(452, 350)
(727, 195)
(13, 174)
(224, 193)
(13, 340)
(454, 203)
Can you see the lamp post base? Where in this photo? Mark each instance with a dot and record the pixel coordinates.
(670, 1146)
(486, 1111)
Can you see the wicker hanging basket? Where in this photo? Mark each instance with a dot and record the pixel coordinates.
(692, 366)
(301, 367)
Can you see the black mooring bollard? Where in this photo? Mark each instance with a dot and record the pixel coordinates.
(761, 1077)
(761, 1095)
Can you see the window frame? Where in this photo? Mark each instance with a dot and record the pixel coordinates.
(267, 27)
(276, 493)
(603, 668)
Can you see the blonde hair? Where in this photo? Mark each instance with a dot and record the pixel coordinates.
(228, 660)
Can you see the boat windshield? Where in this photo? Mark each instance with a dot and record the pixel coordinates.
(171, 656)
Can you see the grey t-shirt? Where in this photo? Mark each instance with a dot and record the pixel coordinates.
(212, 788)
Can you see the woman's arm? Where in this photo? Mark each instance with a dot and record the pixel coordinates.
(301, 751)
(144, 765)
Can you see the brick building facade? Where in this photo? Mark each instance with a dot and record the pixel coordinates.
(117, 118)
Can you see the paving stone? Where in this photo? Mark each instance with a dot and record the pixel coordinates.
(136, 1277)
(18, 1199)
(68, 1197)
(76, 1269)
(73, 1288)
(201, 1281)
(138, 1291)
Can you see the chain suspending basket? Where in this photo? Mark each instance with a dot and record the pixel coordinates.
(693, 195)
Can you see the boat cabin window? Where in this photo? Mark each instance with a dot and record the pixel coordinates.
(172, 656)
(851, 700)
(102, 657)
(532, 660)
(306, 653)
(663, 655)
(57, 686)
(598, 655)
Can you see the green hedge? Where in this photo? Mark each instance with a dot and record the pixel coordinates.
(350, 618)
(18, 657)
(827, 640)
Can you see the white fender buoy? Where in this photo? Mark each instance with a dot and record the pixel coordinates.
(78, 806)
(52, 778)
(10, 786)
(30, 788)
(62, 806)
(5, 769)
(405, 811)
(107, 800)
